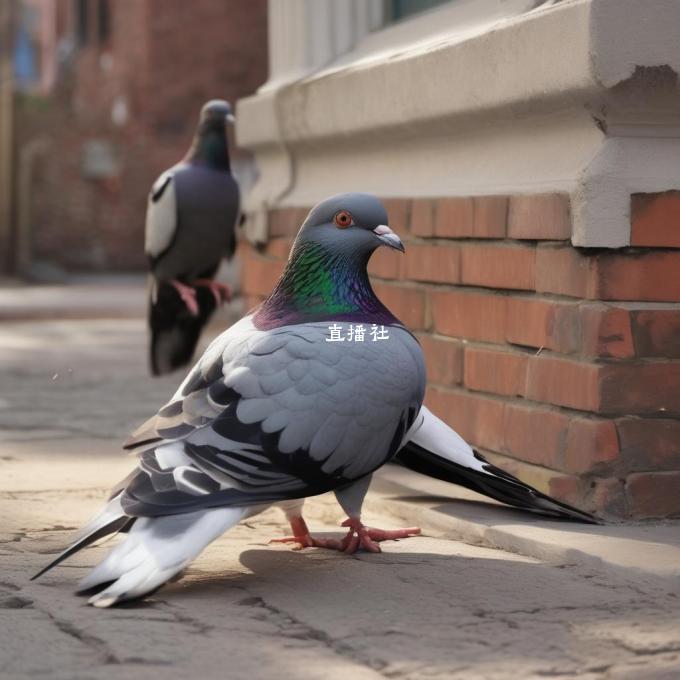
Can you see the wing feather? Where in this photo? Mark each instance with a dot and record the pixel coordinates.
(161, 216)
(254, 434)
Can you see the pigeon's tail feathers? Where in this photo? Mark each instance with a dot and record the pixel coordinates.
(155, 551)
(175, 332)
(109, 521)
(435, 450)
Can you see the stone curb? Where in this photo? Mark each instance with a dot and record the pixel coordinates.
(650, 551)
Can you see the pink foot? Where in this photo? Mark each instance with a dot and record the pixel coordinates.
(221, 291)
(303, 539)
(360, 536)
(188, 295)
(357, 537)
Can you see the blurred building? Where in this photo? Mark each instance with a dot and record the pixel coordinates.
(107, 94)
(529, 152)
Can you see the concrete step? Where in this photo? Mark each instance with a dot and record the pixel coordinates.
(649, 550)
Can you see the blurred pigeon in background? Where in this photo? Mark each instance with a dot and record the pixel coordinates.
(190, 226)
(284, 405)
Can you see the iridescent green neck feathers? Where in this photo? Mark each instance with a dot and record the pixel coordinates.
(318, 285)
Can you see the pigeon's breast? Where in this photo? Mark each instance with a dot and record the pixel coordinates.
(207, 209)
(288, 413)
(340, 407)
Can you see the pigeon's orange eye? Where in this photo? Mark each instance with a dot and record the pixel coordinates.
(343, 219)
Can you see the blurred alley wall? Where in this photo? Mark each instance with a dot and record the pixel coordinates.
(106, 94)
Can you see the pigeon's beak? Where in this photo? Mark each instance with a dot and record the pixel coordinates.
(388, 237)
(230, 118)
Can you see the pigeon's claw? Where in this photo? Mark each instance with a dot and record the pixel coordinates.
(221, 291)
(308, 541)
(188, 295)
(303, 539)
(360, 536)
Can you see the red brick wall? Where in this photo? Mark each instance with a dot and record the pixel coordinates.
(560, 364)
(166, 57)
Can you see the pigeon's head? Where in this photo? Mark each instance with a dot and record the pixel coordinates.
(353, 224)
(215, 114)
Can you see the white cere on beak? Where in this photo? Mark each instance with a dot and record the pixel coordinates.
(388, 237)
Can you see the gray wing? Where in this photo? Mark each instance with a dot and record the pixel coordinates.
(280, 414)
(161, 216)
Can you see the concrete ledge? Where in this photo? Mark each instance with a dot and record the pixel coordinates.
(482, 115)
(648, 550)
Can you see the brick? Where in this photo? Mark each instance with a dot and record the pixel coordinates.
(655, 219)
(593, 329)
(443, 359)
(534, 434)
(398, 213)
(530, 322)
(498, 266)
(541, 323)
(494, 371)
(259, 275)
(649, 443)
(286, 221)
(565, 329)
(568, 489)
(563, 487)
(386, 263)
(590, 444)
(471, 217)
(407, 304)
(244, 248)
(564, 382)
(250, 302)
(648, 276)
(474, 316)
(489, 215)
(564, 271)
(656, 333)
(279, 248)
(422, 217)
(477, 419)
(651, 276)
(609, 497)
(541, 216)
(453, 217)
(606, 332)
(438, 263)
(654, 494)
(640, 388)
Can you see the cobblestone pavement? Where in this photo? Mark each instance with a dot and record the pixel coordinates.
(427, 607)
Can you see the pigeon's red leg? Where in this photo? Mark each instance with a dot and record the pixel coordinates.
(221, 291)
(303, 539)
(360, 536)
(188, 295)
(357, 537)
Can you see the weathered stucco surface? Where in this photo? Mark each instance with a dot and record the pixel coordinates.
(566, 97)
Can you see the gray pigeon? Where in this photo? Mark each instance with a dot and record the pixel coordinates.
(190, 226)
(314, 390)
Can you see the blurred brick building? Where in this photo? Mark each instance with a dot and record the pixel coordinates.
(109, 94)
